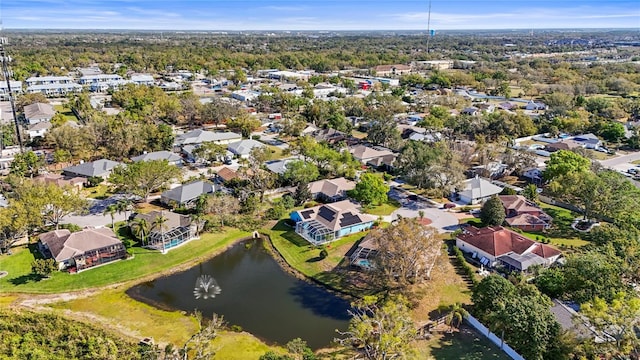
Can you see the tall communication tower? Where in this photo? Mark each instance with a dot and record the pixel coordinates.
(6, 72)
(429, 27)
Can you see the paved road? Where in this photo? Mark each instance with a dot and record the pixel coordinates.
(620, 160)
(95, 215)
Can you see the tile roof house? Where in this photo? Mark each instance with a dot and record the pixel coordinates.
(200, 136)
(38, 112)
(331, 190)
(81, 250)
(171, 157)
(325, 223)
(523, 214)
(187, 194)
(100, 168)
(497, 245)
(226, 174)
(477, 190)
(243, 148)
(175, 231)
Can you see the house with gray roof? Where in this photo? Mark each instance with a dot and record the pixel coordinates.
(166, 229)
(476, 190)
(243, 148)
(38, 129)
(99, 168)
(172, 158)
(200, 136)
(186, 195)
(38, 112)
(83, 249)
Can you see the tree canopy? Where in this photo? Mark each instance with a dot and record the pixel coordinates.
(370, 190)
(143, 177)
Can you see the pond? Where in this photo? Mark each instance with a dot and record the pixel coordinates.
(254, 293)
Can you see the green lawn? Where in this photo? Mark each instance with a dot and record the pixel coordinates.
(115, 309)
(68, 114)
(145, 262)
(466, 344)
(636, 162)
(383, 210)
(99, 192)
(305, 258)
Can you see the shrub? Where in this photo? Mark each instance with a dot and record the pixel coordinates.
(44, 267)
(255, 137)
(324, 253)
(236, 328)
(468, 269)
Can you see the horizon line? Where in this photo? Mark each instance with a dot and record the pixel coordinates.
(318, 30)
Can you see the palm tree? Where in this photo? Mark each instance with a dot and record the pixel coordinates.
(140, 229)
(123, 206)
(111, 210)
(199, 220)
(455, 314)
(159, 223)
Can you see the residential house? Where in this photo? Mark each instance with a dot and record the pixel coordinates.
(507, 106)
(498, 246)
(523, 214)
(535, 105)
(99, 79)
(566, 144)
(167, 229)
(325, 223)
(226, 174)
(331, 190)
(48, 80)
(83, 249)
(330, 136)
(172, 158)
(391, 70)
(243, 148)
(60, 180)
(55, 90)
(16, 89)
(142, 79)
(99, 168)
(588, 141)
(278, 166)
(38, 112)
(200, 136)
(186, 195)
(38, 129)
(492, 170)
(476, 190)
(365, 153)
(534, 175)
(471, 111)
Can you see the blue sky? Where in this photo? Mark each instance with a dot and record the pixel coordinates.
(317, 14)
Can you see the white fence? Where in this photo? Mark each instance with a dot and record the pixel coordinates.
(493, 338)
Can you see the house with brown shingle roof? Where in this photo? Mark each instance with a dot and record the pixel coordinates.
(498, 246)
(523, 214)
(226, 174)
(83, 249)
(331, 190)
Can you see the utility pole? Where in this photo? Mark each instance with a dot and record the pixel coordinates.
(7, 77)
(429, 27)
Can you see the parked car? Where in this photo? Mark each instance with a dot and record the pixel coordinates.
(449, 205)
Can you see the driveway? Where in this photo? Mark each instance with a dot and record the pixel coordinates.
(95, 216)
(441, 219)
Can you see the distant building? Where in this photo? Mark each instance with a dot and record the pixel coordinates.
(142, 79)
(243, 148)
(186, 195)
(200, 136)
(16, 89)
(99, 78)
(55, 89)
(389, 70)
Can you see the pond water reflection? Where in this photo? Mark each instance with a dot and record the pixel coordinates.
(248, 287)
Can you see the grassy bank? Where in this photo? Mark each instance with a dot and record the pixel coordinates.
(144, 263)
(305, 258)
(114, 309)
